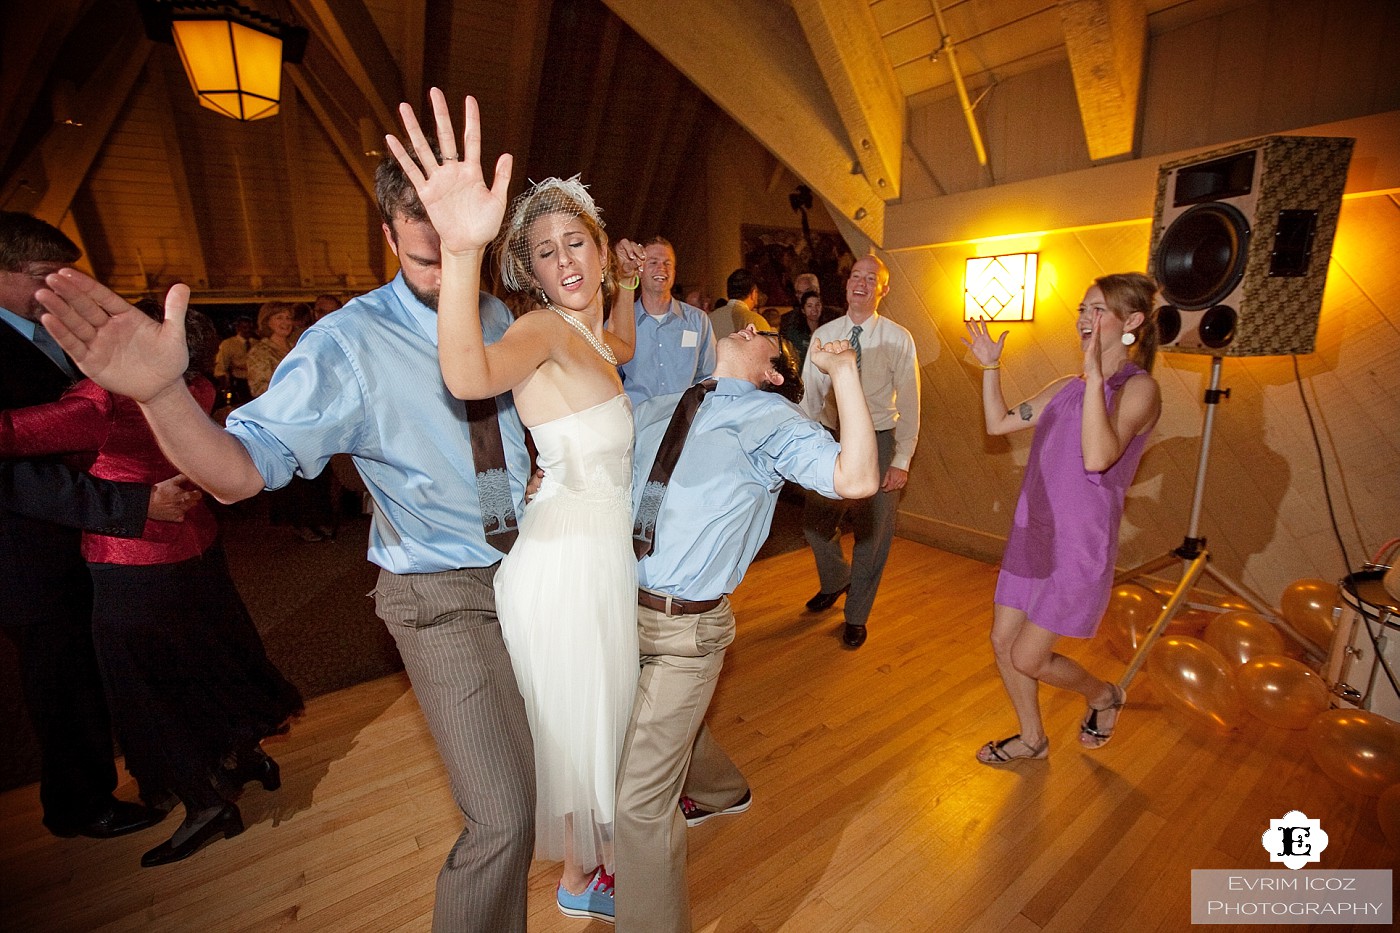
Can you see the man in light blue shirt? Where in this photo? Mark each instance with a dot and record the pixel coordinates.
(713, 517)
(365, 381)
(675, 343)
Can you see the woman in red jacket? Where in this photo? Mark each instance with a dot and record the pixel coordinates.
(193, 690)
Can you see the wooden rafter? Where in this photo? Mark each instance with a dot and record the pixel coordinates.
(50, 175)
(33, 32)
(603, 64)
(851, 54)
(339, 127)
(179, 177)
(754, 62)
(528, 39)
(348, 30)
(1106, 41)
(680, 112)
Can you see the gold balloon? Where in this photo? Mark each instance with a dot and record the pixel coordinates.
(1356, 748)
(1194, 678)
(1307, 606)
(1189, 621)
(1388, 809)
(1242, 636)
(1234, 602)
(1131, 611)
(1281, 691)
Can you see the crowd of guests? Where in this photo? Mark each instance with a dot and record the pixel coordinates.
(563, 618)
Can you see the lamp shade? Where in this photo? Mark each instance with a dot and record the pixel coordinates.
(234, 68)
(1000, 288)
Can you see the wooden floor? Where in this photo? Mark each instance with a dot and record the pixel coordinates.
(869, 811)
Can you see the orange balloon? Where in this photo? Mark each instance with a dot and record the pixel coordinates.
(1132, 609)
(1388, 809)
(1281, 691)
(1189, 621)
(1358, 749)
(1307, 606)
(1233, 602)
(1195, 679)
(1241, 636)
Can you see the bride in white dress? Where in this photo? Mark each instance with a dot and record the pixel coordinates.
(566, 594)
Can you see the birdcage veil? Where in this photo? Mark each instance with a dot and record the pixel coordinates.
(551, 196)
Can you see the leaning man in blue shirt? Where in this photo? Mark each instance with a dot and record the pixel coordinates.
(713, 516)
(365, 381)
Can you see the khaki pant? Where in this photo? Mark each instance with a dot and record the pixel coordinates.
(669, 751)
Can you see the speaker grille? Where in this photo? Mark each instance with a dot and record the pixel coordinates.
(1202, 256)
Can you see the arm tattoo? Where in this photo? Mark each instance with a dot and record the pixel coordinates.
(1026, 411)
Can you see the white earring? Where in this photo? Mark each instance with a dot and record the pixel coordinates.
(1129, 339)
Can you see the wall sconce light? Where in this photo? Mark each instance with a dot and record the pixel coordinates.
(1000, 288)
(232, 55)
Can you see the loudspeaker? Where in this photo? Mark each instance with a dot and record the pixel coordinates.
(1241, 241)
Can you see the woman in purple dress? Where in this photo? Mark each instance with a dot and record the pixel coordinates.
(1057, 570)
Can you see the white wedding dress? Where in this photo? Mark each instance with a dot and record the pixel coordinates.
(567, 600)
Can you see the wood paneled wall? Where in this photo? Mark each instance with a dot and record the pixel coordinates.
(1265, 514)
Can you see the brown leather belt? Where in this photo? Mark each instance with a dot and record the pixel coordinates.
(675, 607)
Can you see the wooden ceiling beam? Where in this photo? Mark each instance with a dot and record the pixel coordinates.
(49, 176)
(604, 62)
(530, 35)
(1106, 41)
(849, 50)
(752, 59)
(680, 111)
(340, 129)
(348, 30)
(34, 33)
(294, 166)
(179, 178)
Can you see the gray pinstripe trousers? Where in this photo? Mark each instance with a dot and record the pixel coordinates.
(446, 629)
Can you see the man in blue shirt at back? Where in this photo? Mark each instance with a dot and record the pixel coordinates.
(675, 343)
(365, 381)
(711, 520)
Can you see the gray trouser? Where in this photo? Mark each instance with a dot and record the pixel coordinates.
(446, 629)
(873, 519)
(669, 751)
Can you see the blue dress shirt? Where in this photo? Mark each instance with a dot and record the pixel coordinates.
(365, 381)
(719, 504)
(671, 354)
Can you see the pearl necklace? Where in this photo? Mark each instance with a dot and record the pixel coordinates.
(603, 349)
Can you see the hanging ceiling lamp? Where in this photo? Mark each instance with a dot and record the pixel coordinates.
(232, 55)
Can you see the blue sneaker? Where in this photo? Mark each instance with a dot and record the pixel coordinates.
(596, 901)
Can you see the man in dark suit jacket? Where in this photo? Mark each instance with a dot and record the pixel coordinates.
(44, 584)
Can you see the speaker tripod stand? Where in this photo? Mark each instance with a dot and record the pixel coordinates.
(1194, 554)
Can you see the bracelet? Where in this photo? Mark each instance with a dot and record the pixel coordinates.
(636, 280)
(996, 365)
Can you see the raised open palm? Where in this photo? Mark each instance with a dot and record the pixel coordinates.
(119, 347)
(465, 212)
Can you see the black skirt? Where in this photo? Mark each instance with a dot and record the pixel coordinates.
(188, 676)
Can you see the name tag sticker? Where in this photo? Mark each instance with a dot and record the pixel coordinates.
(689, 338)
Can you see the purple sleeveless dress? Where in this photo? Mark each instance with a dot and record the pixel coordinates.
(1058, 565)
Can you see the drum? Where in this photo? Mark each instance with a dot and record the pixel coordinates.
(1365, 644)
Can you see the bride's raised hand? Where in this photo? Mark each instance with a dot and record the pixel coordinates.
(464, 211)
(984, 349)
(631, 257)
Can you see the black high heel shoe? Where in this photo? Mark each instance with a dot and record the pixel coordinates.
(228, 823)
